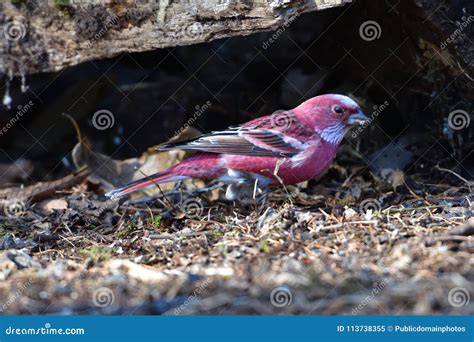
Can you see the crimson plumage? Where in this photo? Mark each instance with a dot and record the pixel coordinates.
(285, 147)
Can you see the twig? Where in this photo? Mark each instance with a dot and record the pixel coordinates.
(275, 173)
(456, 175)
(344, 224)
(414, 208)
(44, 190)
(148, 177)
(173, 192)
(76, 126)
(455, 238)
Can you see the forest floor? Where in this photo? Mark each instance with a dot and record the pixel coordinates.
(356, 241)
(346, 244)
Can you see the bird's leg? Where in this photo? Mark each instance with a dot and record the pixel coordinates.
(255, 188)
(177, 191)
(275, 174)
(254, 195)
(212, 185)
(258, 200)
(262, 200)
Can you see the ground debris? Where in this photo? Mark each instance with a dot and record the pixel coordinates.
(388, 251)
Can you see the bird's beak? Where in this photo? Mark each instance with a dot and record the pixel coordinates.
(358, 118)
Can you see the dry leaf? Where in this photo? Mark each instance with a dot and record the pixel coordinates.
(49, 206)
(113, 173)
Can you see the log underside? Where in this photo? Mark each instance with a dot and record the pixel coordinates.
(44, 36)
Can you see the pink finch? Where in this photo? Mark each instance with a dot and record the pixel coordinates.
(285, 147)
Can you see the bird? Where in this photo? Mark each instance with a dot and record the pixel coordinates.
(284, 148)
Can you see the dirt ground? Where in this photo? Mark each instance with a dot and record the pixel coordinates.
(348, 243)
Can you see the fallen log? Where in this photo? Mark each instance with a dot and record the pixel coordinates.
(43, 36)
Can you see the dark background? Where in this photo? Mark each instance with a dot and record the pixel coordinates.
(152, 94)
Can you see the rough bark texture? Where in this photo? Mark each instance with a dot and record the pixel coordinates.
(50, 35)
(453, 23)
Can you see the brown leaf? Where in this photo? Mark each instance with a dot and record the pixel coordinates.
(50, 206)
(112, 173)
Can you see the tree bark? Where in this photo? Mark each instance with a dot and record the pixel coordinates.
(42, 36)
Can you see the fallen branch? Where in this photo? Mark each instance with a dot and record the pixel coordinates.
(42, 190)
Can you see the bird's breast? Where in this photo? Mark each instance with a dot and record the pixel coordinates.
(303, 166)
(313, 160)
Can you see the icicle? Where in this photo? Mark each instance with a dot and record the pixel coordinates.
(7, 99)
(24, 87)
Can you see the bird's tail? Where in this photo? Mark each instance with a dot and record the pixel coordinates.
(159, 177)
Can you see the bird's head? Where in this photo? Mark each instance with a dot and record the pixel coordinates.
(330, 116)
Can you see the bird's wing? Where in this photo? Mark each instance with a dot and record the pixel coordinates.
(260, 137)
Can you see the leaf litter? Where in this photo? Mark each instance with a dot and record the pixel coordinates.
(352, 242)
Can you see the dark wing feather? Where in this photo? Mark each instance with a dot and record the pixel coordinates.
(256, 138)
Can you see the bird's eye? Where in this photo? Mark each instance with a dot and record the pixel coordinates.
(338, 110)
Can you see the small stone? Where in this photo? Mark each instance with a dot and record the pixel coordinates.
(7, 242)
